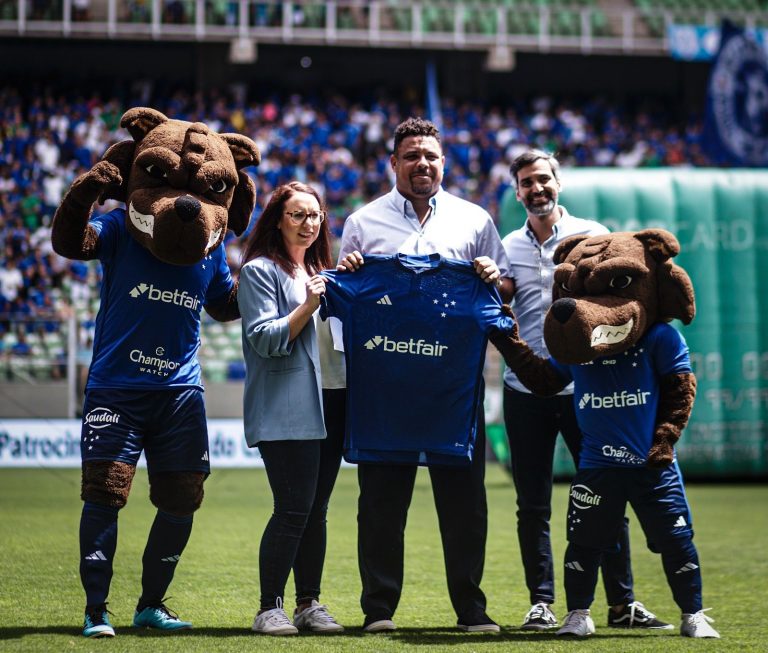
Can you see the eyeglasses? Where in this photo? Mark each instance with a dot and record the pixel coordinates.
(300, 217)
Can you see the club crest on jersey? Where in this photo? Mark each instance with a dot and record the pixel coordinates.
(418, 347)
(175, 297)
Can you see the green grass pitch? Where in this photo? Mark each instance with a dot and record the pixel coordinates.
(216, 584)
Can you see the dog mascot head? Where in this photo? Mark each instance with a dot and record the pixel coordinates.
(183, 185)
(608, 290)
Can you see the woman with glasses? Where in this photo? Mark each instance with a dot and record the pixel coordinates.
(279, 294)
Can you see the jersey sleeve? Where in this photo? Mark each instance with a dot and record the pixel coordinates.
(670, 351)
(222, 282)
(339, 292)
(563, 370)
(266, 331)
(110, 229)
(489, 311)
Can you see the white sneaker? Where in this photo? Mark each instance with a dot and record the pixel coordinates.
(274, 622)
(380, 626)
(697, 625)
(539, 617)
(577, 623)
(316, 619)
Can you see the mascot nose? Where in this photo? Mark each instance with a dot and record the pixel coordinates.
(562, 309)
(187, 208)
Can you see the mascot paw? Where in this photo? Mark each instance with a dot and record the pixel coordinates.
(99, 179)
(661, 455)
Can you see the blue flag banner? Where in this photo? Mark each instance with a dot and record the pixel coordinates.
(736, 121)
(701, 42)
(433, 96)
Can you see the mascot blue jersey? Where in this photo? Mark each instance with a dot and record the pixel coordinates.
(415, 334)
(148, 325)
(616, 397)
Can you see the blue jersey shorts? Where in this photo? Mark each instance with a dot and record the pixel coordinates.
(599, 497)
(168, 425)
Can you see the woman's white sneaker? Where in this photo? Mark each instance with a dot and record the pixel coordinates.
(316, 619)
(274, 622)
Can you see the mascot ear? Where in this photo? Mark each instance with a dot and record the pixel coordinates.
(659, 243)
(120, 155)
(245, 153)
(243, 202)
(139, 121)
(676, 298)
(564, 248)
(243, 149)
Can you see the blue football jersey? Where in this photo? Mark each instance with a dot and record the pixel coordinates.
(415, 334)
(148, 325)
(616, 397)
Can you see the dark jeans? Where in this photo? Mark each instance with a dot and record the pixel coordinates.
(533, 424)
(302, 474)
(385, 496)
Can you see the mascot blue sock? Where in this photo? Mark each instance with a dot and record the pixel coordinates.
(166, 543)
(98, 540)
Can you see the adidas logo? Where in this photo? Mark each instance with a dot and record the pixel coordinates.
(175, 558)
(575, 565)
(385, 301)
(688, 566)
(96, 555)
(205, 457)
(680, 522)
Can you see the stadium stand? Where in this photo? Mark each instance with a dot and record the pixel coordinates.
(49, 137)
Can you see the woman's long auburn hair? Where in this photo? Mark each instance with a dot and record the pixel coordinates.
(267, 240)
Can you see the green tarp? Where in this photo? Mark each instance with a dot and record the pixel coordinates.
(720, 218)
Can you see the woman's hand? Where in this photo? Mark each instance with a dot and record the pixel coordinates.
(315, 289)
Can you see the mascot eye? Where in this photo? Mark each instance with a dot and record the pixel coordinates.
(622, 281)
(219, 186)
(154, 171)
(564, 286)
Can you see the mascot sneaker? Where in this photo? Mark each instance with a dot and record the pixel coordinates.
(96, 622)
(160, 617)
(577, 623)
(539, 617)
(697, 625)
(636, 615)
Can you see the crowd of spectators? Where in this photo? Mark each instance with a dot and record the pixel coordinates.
(337, 144)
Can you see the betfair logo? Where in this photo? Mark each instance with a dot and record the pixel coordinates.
(418, 347)
(621, 399)
(166, 296)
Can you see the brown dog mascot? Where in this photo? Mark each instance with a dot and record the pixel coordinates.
(163, 260)
(608, 331)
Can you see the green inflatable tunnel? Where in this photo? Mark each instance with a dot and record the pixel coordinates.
(720, 218)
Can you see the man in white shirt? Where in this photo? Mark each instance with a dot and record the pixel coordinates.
(532, 422)
(419, 217)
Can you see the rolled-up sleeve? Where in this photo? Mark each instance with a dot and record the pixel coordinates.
(264, 329)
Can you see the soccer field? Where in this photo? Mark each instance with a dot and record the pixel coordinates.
(216, 584)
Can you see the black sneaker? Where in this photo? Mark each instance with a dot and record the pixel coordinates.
(635, 615)
(478, 623)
